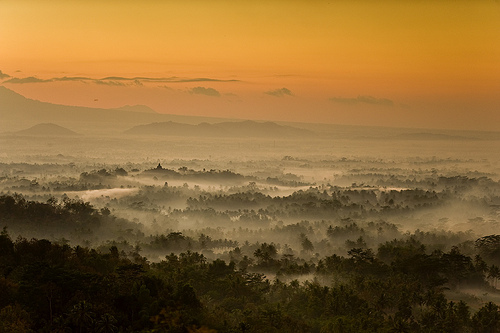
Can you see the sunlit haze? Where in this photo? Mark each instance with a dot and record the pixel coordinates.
(419, 64)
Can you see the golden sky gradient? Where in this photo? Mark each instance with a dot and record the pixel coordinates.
(416, 63)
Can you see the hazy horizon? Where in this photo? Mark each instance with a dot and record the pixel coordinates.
(37, 112)
(415, 64)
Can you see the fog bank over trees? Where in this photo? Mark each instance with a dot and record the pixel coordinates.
(351, 231)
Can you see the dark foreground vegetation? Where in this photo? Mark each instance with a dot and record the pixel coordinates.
(401, 285)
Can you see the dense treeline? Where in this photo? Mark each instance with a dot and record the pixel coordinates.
(327, 200)
(84, 224)
(48, 287)
(54, 219)
(400, 285)
(79, 222)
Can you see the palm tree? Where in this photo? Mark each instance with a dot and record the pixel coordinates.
(106, 324)
(82, 316)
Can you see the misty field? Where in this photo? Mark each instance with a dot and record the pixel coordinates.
(358, 232)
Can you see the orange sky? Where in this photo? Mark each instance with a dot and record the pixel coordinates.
(394, 63)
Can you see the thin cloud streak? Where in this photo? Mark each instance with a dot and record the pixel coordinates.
(173, 79)
(29, 79)
(109, 83)
(112, 80)
(32, 79)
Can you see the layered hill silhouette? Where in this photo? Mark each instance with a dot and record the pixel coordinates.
(47, 129)
(17, 112)
(226, 129)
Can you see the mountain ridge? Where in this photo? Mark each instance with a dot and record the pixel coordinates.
(17, 112)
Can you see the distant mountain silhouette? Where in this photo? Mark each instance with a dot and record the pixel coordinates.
(136, 108)
(226, 129)
(17, 112)
(47, 129)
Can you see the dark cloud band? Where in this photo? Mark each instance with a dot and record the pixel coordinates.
(3, 75)
(112, 80)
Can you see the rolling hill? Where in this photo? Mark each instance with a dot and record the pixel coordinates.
(47, 129)
(18, 112)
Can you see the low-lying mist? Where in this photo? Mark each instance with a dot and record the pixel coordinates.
(279, 207)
